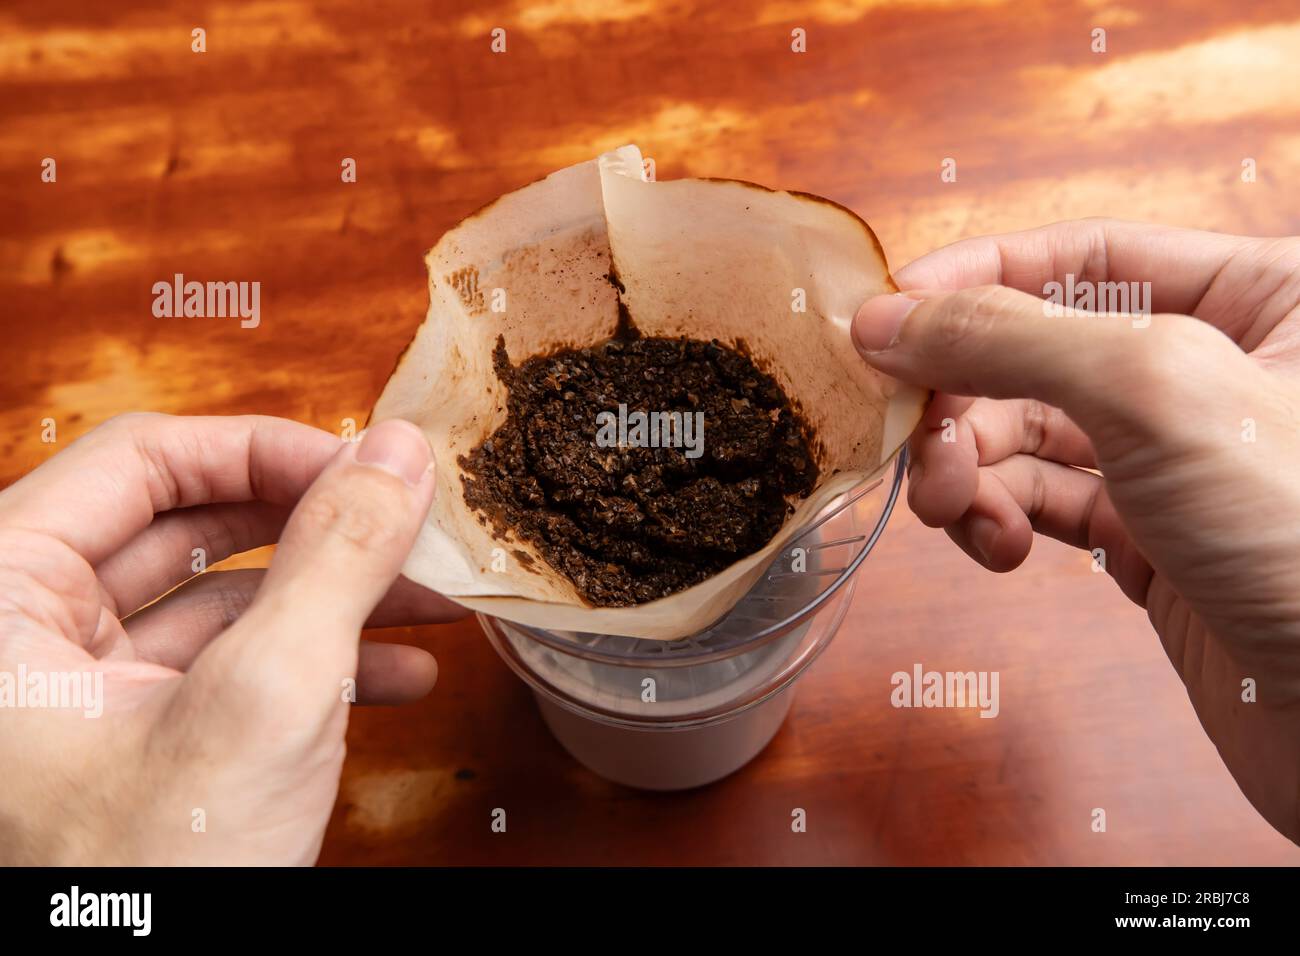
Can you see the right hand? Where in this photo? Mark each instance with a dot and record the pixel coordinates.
(1191, 421)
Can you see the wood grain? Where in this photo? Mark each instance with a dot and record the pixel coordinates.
(225, 166)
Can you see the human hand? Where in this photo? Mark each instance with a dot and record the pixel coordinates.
(1190, 419)
(224, 702)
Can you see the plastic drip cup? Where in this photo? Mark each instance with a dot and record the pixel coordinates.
(669, 715)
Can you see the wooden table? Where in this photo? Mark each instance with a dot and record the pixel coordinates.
(225, 165)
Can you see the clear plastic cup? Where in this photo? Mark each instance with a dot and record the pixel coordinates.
(668, 715)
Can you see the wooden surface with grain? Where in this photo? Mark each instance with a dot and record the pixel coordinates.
(225, 165)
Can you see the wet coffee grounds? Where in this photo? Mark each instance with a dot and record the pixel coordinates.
(628, 523)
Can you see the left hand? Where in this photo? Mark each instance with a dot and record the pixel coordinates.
(223, 705)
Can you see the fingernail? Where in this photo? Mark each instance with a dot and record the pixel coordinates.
(876, 326)
(397, 447)
(984, 535)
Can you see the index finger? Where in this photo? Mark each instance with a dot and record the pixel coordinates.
(1180, 264)
(106, 487)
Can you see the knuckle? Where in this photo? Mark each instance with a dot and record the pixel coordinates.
(41, 577)
(227, 602)
(968, 316)
(1279, 269)
(128, 423)
(1037, 493)
(216, 535)
(1284, 251)
(1036, 420)
(1175, 351)
(25, 598)
(240, 687)
(360, 514)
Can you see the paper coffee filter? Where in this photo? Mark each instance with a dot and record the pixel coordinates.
(701, 258)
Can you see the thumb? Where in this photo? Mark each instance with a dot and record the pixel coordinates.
(1103, 370)
(340, 551)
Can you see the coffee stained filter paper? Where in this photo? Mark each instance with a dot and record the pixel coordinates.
(701, 258)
